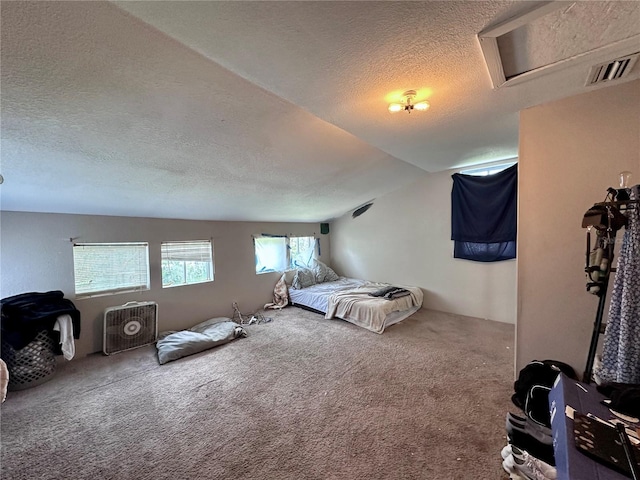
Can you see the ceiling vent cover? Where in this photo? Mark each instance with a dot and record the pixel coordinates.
(131, 325)
(613, 70)
(360, 210)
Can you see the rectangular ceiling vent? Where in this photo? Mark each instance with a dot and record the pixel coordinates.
(612, 70)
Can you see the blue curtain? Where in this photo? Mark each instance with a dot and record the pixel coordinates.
(484, 215)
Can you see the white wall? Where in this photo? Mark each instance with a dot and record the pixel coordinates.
(570, 152)
(405, 237)
(36, 255)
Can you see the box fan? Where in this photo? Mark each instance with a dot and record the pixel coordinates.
(128, 326)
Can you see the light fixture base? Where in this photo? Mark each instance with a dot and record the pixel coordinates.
(407, 105)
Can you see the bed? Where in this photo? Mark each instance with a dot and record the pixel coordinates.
(349, 299)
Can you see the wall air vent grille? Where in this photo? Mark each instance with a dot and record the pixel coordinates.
(613, 70)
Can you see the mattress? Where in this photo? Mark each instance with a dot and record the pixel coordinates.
(348, 299)
(317, 296)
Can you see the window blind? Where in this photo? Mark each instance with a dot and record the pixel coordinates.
(186, 263)
(191, 251)
(101, 268)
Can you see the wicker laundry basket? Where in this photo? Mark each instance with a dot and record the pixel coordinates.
(31, 365)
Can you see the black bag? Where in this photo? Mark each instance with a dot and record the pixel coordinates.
(533, 385)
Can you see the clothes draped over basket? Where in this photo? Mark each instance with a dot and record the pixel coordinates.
(64, 325)
(25, 315)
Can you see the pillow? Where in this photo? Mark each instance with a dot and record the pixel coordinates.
(322, 273)
(304, 278)
(187, 342)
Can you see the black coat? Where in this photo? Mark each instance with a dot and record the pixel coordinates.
(24, 316)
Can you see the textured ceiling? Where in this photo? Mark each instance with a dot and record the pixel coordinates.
(262, 111)
(554, 37)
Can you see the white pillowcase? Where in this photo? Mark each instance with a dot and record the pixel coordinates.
(304, 278)
(322, 273)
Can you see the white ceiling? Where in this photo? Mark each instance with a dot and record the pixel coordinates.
(259, 111)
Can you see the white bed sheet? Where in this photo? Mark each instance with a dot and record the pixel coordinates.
(317, 298)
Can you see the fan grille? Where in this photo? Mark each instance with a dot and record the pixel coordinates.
(130, 327)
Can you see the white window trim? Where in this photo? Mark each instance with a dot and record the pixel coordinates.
(287, 238)
(491, 168)
(212, 259)
(265, 236)
(315, 249)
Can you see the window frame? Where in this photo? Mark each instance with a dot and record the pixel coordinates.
(286, 261)
(291, 259)
(143, 285)
(486, 170)
(266, 237)
(210, 261)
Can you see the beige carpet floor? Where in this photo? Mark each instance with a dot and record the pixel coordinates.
(300, 398)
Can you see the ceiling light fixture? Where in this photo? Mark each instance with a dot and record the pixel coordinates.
(408, 105)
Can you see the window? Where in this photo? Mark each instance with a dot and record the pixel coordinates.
(104, 268)
(275, 253)
(302, 250)
(484, 215)
(186, 263)
(487, 170)
(271, 253)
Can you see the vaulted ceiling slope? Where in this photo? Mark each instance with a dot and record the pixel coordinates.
(256, 111)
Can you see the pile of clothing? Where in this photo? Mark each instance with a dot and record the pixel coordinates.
(529, 453)
(390, 293)
(24, 316)
(623, 397)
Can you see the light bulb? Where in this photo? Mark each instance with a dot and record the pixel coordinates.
(395, 107)
(421, 106)
(624, 179)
